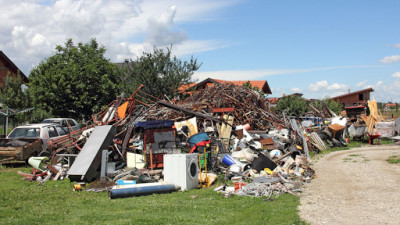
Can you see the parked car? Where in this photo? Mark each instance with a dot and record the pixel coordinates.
(66, 123)
(44, 131)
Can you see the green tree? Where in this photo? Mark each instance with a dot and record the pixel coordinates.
(333, 105)
(15, 97)
(160, 73)
(76, 81)
(248, 85)
(294, 104)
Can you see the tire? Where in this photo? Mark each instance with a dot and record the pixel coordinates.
(44, 153)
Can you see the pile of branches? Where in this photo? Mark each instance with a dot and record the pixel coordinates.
(248, 106)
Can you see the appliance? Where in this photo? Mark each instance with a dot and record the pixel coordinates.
(182, 170)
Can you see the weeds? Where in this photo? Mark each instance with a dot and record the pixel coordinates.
(394, 159)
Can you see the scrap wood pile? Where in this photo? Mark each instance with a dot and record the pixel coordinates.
(245, 105)
(137, 144)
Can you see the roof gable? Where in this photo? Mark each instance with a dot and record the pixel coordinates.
(260, 84)
(11, 66)
(354, 93)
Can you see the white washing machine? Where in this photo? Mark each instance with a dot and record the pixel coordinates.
(182, 170)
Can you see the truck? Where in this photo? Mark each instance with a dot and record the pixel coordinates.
(19, 150)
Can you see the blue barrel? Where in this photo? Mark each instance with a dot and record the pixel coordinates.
(228, 160)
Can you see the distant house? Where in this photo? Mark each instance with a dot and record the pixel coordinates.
(125, 66)
(274, 101)
(389, 106)
(7, 67)
(354, 98)
(262, 85)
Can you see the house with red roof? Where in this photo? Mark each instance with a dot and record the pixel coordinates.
(356, 98)
(8, 68)
(262, 85)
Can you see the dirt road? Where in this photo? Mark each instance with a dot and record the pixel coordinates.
(355, 186)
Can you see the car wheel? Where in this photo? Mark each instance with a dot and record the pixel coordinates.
(44, 153)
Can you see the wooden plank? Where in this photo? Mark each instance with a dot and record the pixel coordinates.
(222, 110)
(226, 130)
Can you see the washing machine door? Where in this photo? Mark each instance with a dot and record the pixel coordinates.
(193, 169)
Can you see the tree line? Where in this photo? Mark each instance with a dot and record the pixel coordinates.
(78, 80)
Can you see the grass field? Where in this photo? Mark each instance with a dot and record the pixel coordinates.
(23, 202)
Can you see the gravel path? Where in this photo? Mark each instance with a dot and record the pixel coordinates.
(355, 186)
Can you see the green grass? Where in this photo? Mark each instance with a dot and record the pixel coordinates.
(23, 202)
(354, 155)
(366, 160)
(352, 144)
(353, 158)
(346, 159)
(394, 159)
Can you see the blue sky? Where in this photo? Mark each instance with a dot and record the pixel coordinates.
(318, 48)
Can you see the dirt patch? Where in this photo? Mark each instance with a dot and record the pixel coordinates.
(356, 186)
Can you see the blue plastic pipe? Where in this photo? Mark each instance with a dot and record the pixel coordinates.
(139, 190)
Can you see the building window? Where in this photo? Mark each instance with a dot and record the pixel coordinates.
(360, 97)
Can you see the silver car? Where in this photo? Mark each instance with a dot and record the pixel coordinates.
(67, 123)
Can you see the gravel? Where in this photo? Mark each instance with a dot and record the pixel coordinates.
(355, 186)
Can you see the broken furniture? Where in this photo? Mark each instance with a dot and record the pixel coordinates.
(158, 139)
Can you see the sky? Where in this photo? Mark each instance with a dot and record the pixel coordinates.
(317, 48)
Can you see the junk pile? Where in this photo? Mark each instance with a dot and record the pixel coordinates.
(142, 145)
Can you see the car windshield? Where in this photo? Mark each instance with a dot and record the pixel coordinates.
(52, 121)
(28, 132)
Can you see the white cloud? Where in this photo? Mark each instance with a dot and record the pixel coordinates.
(379, 83)
(397, 74)
(390, 59)
(337, 87)
(158, 30)
(362, 83)
(296, 90)
(396, 45)
(276, 89)
(189, 47)
(315, 87)
(125, 27)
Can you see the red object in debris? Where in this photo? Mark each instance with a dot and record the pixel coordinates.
(157, 159)
(222, 110)
(239, 186)
(246, 126)
(201, 143)
(372, 137)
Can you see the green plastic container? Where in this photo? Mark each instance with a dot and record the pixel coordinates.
(209, 162)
